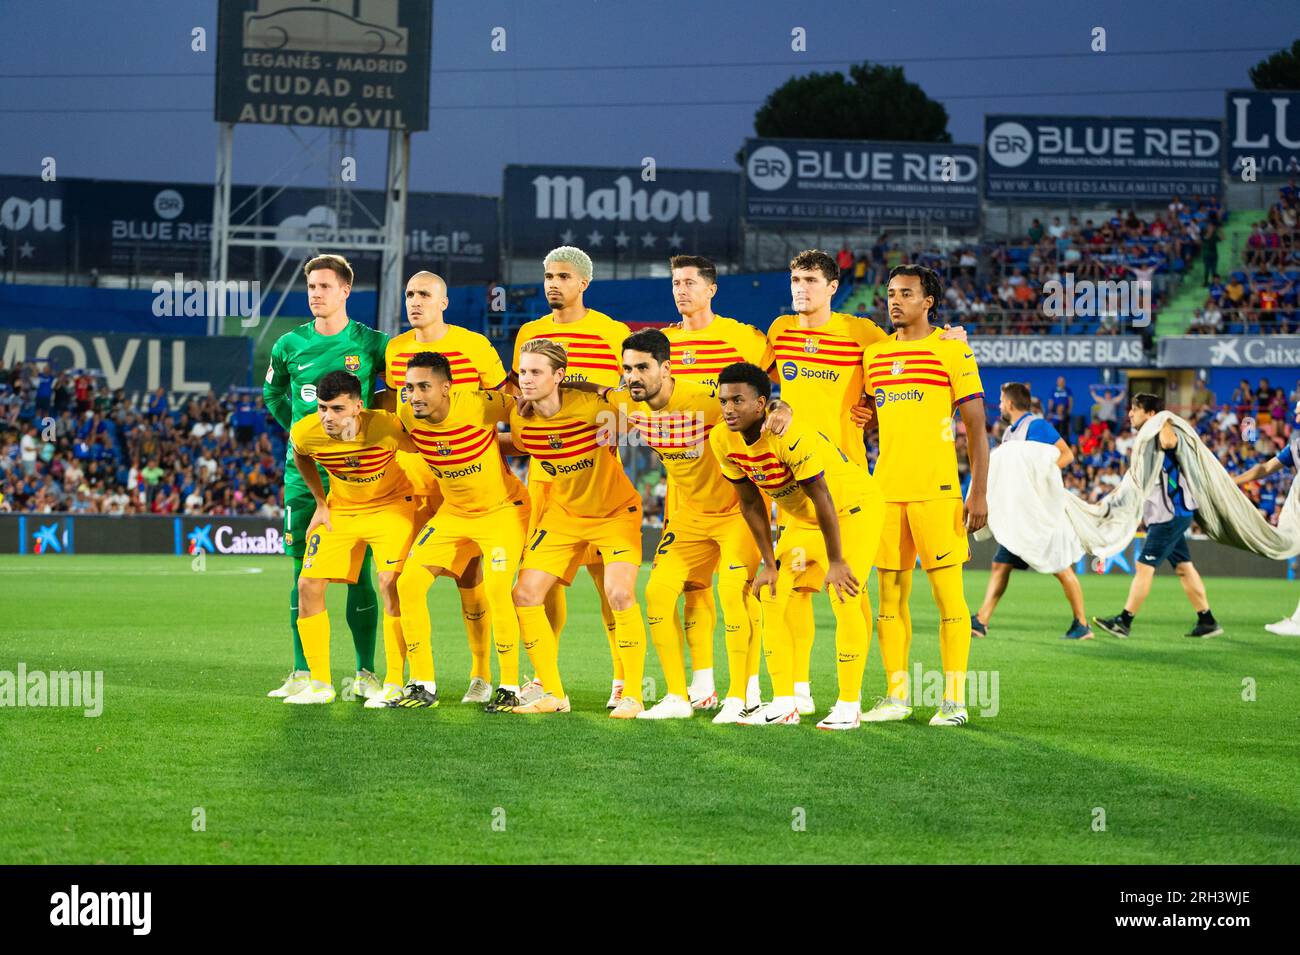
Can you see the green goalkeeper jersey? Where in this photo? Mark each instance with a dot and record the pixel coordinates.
(302, 357)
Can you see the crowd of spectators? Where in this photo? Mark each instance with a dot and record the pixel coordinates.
(1000, 288)
(1264, 295)
(69, 444)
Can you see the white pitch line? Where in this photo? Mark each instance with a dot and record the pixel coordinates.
(49, 570)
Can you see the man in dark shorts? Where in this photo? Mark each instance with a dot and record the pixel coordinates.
(1024, 425)
(1168, 514)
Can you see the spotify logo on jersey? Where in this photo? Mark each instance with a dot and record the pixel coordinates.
(880, 397)
(549, 468)
(789, 371)
(308, 392)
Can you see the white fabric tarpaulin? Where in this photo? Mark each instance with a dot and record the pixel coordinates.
(1030, 510)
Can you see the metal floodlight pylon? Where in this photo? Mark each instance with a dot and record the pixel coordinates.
(234, 227)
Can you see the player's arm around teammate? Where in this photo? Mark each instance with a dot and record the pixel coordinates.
(483, 515)
(370, 505)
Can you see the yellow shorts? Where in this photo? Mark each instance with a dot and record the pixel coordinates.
(802, 547)
(452, 539)
(539, 492)
(933, 530)
(337, 554)
(559, 544)
(693, 547)
(428, 494)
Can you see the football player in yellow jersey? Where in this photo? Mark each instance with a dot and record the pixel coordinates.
(702, 345)
(484, 511)
(592, 341)
(917, 378)
(704, 534)
(833, 514)
(591, 503)
(370, 504)
(475, 364)
(818, 356)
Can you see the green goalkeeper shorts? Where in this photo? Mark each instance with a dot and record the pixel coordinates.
(299, 506)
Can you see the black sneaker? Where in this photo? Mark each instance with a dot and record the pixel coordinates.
(1211, 629)
(417, 697)
(977, 628)
(1078, 631)
(1115, 626)
(503, 701)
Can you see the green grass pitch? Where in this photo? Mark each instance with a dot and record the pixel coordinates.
(1153, 731)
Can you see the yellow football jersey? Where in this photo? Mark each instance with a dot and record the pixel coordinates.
(698, 355)
(779, 465)
(474, 362)
(820, 371)
(916, 386)
(679, 434)
(586, 479)
(364, 472)
(462, 453)
(594, 344)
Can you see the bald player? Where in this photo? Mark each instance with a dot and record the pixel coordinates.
(475, 365)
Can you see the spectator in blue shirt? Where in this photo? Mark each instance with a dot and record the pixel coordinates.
(1024, 425)
(1061, 406)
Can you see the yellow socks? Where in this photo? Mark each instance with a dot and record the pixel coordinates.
(539, 641)
(699, 619)
(660, 601)
(478, 630)
(395, 652)
(413, 593)
(505, 626)
(954, 630)
(852, 641)
(755, 609)
(778, 643)
(737, 627)
(629, 632)
(314, 632)
(802, 624)
(557, 609)
(893, 635)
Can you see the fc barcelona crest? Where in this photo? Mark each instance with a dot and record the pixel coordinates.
(688, 358)
(555, 441)
(810, 346)
(352, 462)
(896, 368)
(442, 447)
(352, 363)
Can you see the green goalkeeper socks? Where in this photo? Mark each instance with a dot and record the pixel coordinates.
(363, 614)
(299, 658)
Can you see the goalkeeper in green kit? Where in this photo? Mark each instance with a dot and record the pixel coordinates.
(299, 359)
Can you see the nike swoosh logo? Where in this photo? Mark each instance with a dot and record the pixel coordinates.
(968, 355)
(795, 445)
(390, 562)
(735, 566)
(943, 555)
(308, 365)
(623, 551)
(774, 719)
